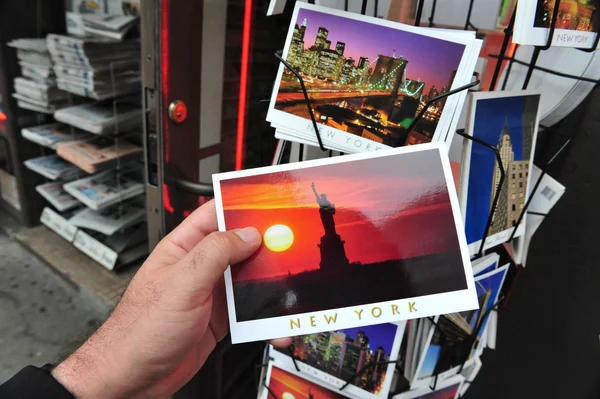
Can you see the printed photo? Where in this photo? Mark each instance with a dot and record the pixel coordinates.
(367, 77)
(448, 344)
(578, 15)
(576, 23)
(357, 355)
(285, 385)
(508, 121)
(447, 389)
(342, 233)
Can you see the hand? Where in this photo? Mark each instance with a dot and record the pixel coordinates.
(170, 318)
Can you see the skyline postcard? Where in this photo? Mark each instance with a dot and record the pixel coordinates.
(288, 385)
(333, 227)
(335, 357)
(368, 78)
(509, 121)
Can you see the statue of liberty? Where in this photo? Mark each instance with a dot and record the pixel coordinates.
(326, 210)
(333, 254)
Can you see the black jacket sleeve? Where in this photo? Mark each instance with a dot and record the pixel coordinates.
(33, 383)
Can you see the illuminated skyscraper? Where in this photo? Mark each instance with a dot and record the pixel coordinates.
(329, 64)
(321, 40)
(303, 29)
(433, 92)
(347, 70)
(340, 47)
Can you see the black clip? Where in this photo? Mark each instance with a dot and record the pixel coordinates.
(430, 102)
(291, 353)
(310, 111)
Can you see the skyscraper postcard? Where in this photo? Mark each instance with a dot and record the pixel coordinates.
(357, 355)
(509, 121)
(576, 24)
(447, 389)
(290, 384)
(348, 242)
(447, 346)
(368, 78)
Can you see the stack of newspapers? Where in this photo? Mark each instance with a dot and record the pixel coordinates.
(53, 167)
(50, 135)
(37, 89)
(95, 67)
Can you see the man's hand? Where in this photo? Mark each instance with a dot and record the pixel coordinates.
(170, 318)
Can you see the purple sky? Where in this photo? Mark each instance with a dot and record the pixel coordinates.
(431, 60)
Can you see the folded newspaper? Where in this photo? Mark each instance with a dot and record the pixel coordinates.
(110, 26)
(51, 134)
(104, 189)
(53, 167)
(57, 196)
(98, 153)
(112, 219)
(102, 117)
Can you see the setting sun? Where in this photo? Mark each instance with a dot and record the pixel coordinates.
(278, 238)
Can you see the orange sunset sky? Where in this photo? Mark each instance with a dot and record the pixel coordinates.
(387, 208)
(282, 382)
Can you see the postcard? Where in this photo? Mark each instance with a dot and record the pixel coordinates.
(336, 357)
(447, 346)
(333, 227)
(470, 373)
(290, 384)
(576, 25)
(447, 389)
(509, 121)
(485, 264)
(368, 78)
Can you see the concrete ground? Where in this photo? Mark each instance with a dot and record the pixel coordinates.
(42, 316)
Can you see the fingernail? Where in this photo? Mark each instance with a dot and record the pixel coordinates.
(248, 234)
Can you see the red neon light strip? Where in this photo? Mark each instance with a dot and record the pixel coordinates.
(2, 116)
(239, 144)
(164, 63)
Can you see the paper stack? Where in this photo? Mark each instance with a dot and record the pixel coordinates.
(97, 68)
(114, 27)
(105, 188)
(112, 219)
(52, 134)
(37, 89)
(53, 167)
(57, 196)
(99, 153)
(102, 117)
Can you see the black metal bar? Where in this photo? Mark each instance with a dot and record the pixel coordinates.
(376, 8)
(507, 34)
(534, 190)
(552, 26)
(291, 353)
(537, 213)
(534, 58)
(362, 370)
(363, 8)
(346, 5)
(461, 132)
(434, 99)
(419, 13)
(270, 391)
(511, 61)
(594, 45)
(550, 71)
(310, 110)
(433, 6)
(468, 21)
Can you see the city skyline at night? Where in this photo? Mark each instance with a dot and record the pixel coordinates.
(431, 60)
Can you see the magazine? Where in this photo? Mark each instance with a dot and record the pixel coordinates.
(98, 153)
(104, 189)
(101, 117)
(52, 166)
(57, 196)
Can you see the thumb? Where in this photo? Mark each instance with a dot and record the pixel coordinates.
(201, 268)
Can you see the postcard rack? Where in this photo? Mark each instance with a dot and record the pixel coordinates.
(95, 244)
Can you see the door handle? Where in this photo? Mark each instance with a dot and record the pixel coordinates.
(201, 189)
